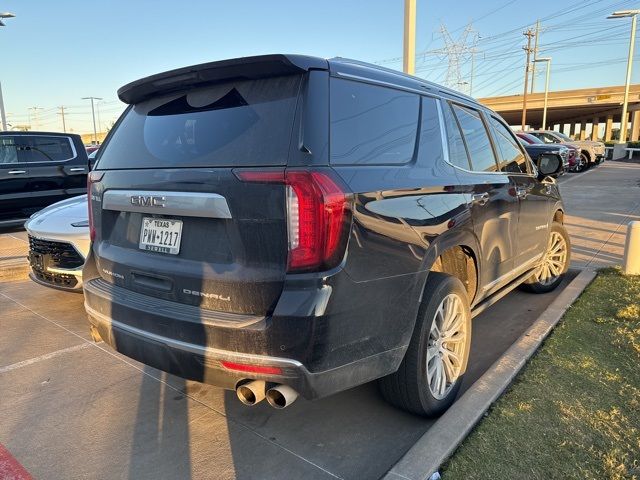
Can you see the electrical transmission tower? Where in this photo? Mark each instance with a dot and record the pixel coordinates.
(457, 52)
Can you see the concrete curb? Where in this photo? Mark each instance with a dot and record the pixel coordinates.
(442, 439)
(14, 269)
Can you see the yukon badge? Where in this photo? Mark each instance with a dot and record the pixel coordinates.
(147, 201)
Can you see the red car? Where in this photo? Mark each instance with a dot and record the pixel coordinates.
(92, 148)
(576, 163)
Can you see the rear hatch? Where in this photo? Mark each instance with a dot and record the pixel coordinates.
(171, 217)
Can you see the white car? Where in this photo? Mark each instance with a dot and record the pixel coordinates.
(59, 243)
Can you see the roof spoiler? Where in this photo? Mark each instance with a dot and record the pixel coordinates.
(244, 68)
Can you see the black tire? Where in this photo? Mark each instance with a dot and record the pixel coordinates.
(532, 284)
(408, 387)
(585, 160)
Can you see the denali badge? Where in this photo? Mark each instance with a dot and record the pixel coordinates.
(215, 296)
(147, 201)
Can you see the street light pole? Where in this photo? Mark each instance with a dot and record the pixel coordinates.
(632, 41)
(93, 114)
(546, 88)
(3, 115)
(409, 44)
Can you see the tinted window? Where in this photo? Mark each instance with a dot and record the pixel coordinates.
(430, 151)
(372, 124)
(510, 157)
(8, 150)
(34, 148)
(44, 149)
(547, 138)
(235, 123)
(457, 151)
(475, 135)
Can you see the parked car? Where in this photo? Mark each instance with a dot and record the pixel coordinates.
(286, 225)
(535, 151)
(592, 153)
(574, 160)
(59, 243)
(91, 148)
(38, 169)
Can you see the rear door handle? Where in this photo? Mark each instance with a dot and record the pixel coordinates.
(77, 169)
(480, 198)
(16, 172)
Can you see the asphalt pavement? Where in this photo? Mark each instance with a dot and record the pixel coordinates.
(73, 409)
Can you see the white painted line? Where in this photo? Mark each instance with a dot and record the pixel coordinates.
(123, 359)
(42, 358)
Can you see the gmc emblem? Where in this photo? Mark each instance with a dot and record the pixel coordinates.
(147, 201)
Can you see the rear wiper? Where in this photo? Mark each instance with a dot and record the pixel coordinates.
(36, 149)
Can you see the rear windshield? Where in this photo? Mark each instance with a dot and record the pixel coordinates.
(243, 123)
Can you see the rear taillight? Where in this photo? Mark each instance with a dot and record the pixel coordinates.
(92, 178)
(318, 215)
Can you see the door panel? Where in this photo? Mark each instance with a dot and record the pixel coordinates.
(14, 177)
(490, 196)
(533, 196)
(533, 218)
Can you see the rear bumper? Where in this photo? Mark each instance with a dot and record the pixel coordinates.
(195, 347)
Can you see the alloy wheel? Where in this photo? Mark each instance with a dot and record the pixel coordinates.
(446, 346)
(554, 262)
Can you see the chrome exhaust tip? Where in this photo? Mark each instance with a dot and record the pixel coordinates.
(251, 392)
(281, 396)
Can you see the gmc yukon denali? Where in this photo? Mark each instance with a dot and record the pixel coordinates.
(288, 226)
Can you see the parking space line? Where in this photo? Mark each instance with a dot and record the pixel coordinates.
(168, 385)
(41, 358)
(10, 468)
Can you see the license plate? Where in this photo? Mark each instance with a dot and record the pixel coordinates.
(161, 235)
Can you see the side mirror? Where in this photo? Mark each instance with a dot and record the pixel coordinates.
(549, 165)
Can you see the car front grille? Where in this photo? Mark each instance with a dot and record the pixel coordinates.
(60, 254)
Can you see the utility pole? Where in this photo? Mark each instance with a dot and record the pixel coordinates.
(93, 114)
(409, 44)
(64, 126)
(529, 34)
(535, 56)
(3, 115)
(35, 116)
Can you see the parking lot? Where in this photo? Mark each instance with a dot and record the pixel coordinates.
(74, 409)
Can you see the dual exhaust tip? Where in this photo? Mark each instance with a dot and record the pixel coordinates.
(278, 396)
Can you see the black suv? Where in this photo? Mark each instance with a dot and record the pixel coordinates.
(285, 225)
(38, 169)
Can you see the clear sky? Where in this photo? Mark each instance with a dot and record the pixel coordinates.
(56, 52)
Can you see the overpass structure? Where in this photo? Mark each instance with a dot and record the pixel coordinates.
(584, 113)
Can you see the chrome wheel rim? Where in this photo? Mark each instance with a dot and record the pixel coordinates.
(446, 346)
(554, 262)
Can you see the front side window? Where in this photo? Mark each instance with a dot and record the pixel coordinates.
(510, 157)
(8, 150)
(476, 138)
(372, 125)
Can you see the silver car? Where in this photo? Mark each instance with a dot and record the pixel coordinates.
(59, 243)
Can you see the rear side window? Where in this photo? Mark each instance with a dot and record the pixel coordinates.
(33, 148)
(372, 125)
(476, 139)
(510, 157)
(240, 123)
